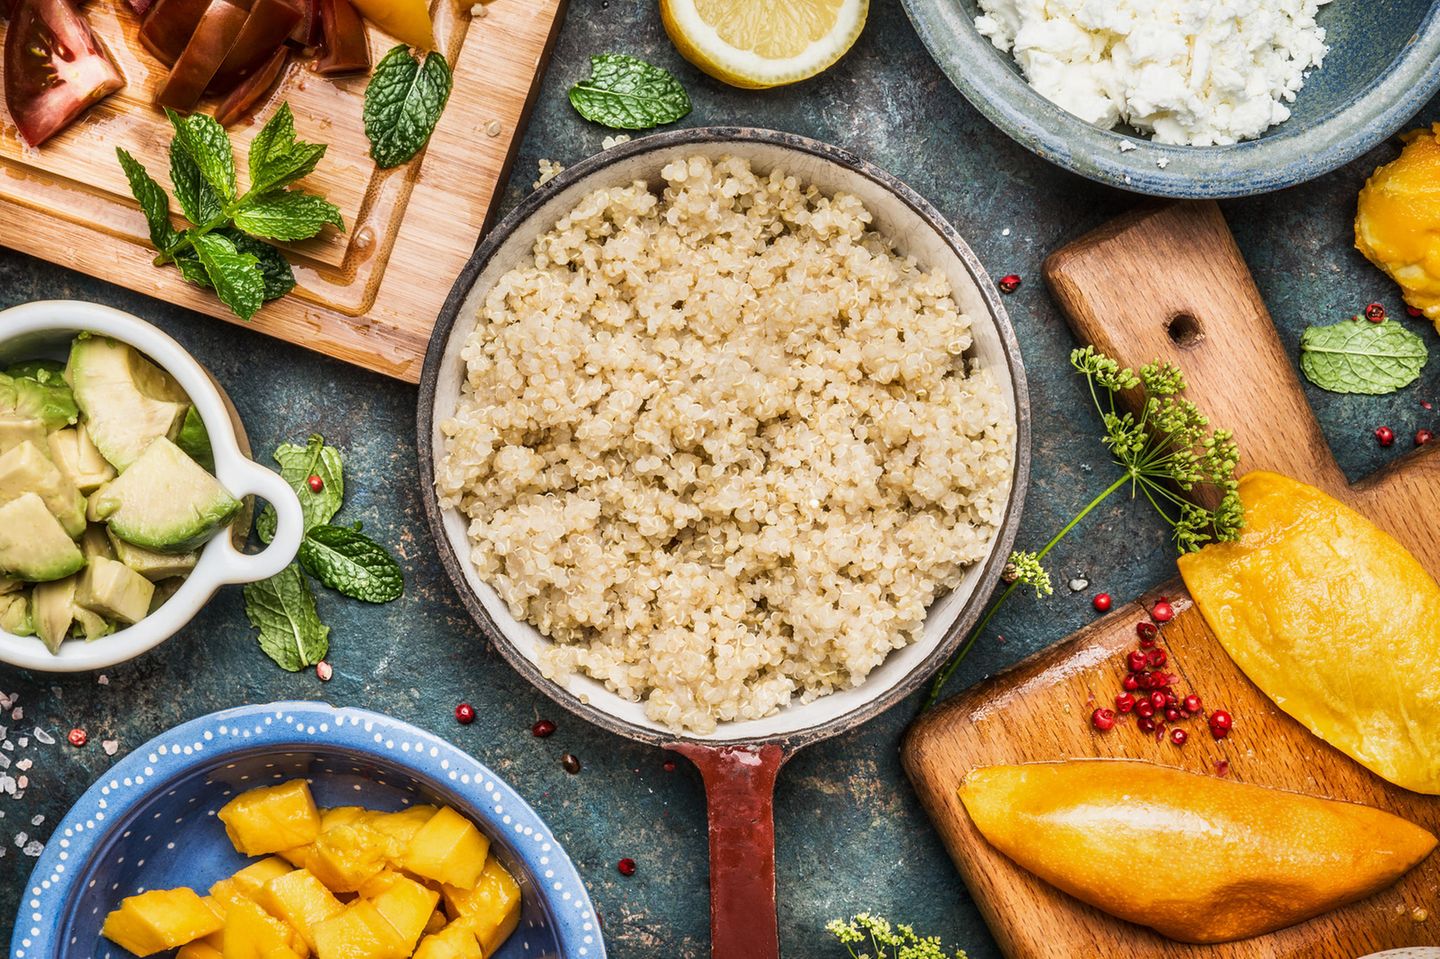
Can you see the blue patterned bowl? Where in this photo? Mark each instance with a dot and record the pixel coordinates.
(149, 823)
(1383, 66)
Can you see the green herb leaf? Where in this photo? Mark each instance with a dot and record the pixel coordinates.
(235, 276)
(276, 158)
(297, 465)
(154, 202)
(351, 563)
(287, 215)
(190, 268)
(274, 268)
(207, 145)
(194, 440)
(626, 93)
(403, 102)
(1368, 358)
(198, 201)
(283, 609)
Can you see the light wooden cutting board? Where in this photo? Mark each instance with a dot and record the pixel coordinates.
(368, 296)
(1170, 283)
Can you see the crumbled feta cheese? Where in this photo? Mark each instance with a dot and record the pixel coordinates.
(1197, 72)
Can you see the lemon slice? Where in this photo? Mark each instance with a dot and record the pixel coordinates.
(763, 43)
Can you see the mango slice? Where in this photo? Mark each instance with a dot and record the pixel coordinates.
(491, 910)
(1254, 859)
(1397, 220)
(406, 20)
(271, 818)
(159, 919)
(1334, 621)
(449, 849)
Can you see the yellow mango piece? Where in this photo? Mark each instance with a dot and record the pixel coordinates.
(455, 941)
(405, 904)
(1254, 859)
(436, 922)
(337, 816)
(360, 932)
(159, 919)
(345, 856)
(199, 949)
(252, 933)
(247, 882)
(1334, 621)
(491, 910)
(1397, 220)
(301, 901)
(406, 20)
(400, 827)
(448, 849)
(271, 818)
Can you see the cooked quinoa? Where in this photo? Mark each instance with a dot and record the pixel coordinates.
(722, 445)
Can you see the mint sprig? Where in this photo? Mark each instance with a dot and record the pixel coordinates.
(403, 103)
(225, 248)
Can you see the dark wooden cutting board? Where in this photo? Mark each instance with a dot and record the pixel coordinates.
(1169, 283)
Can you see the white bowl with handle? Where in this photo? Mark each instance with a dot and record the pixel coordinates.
(44, 330)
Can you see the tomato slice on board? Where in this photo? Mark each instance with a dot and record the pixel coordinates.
(55, 68)
(202, 56)
(347, 50)
(269, 23)
(252, 91)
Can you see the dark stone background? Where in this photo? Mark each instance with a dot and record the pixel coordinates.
(851, 834)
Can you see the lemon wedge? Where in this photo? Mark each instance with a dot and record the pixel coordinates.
(763, 43)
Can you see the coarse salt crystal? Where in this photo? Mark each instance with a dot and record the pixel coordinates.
(44, 738)
(21, 838)
(103, 680)
(1126, 146)
(1163, 162)
(24, 764)
(17, 714)
(1078, 584)
(110, 746)
(33, 848)
(37, 819)
(493, 128)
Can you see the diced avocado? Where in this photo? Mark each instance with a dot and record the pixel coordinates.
(115, 591)
(79, 460)
(194, 439)
(15, 615)
(96, 542)
(33, 544)
(164, 501)
(38, 392)
(164, 590)
(9, 585)
(27, 470)
(16, 429)
(90, 625)
(52, 605)
(151, 564)
(127, 400)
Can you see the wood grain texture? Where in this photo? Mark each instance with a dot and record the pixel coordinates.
(1170, 283)
(368, 296)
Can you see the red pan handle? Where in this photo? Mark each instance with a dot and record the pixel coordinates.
(740, 798)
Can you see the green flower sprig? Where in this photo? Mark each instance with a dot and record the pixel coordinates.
(878, 939)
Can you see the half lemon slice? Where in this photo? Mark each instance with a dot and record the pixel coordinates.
(763, 43)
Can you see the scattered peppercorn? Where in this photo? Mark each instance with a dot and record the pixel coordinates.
(1103, 719)
(323, 670)
(1222, 767)
(668, 765)
(315, 483)
(542, 728)
(626, 866)
(1414, 311)
(464, 714)
(1384, 435)
(78, 737)
(1147, 633)
(1423, 437)
(1102, 602)
(1009, 283)
(1178, 736)
(1192, 704)
(1125, 702)
(1220, 724)
(1162, 611)
(570, 764)
(1375, 313)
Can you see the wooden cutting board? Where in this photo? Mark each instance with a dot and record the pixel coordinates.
(368, 296)
(1170, 283)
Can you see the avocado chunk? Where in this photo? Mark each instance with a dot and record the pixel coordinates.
(77, 457)
(33, 544)
(9, 585)
(128, 401)
(194, 439)
(15, 615)
(151, 564)
(16, 429)
(37, 390)
(90, 625)
(164, 590)
(164, 501)
(27, 470)
(114, 590)
(53, 607)
(96, 542)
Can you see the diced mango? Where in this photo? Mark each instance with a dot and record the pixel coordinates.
(271, 818)
(159, 919)
(247, 882)
(455, 941)
(345, 856)
(338, 816)
(301, 900)
(492, 909)
(360, 932)
(448, 849)
(405, 904)
(400, 827)
(436, 922)
(199, 949)
(252, 933)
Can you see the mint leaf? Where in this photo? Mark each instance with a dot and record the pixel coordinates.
(154, 202)
(351, 563)
(207, 145)
(403, 102)
(287, 215)
(198, 201)
(626, 93)
(191, 269)
(276, 158)
(1355, 357)
(283, 609)
(297, 465)
(235, 276)
(194, 440)
(275, 270)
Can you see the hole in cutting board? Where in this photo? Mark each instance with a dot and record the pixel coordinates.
(1184, 330)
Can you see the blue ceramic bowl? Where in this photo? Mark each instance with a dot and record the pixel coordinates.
(149, 823)
(1383, 66)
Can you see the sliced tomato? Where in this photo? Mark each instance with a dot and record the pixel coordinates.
(202, 56)
(252, 91)
(169, 26)
(269, 23)
(347, 49)
(55, 68)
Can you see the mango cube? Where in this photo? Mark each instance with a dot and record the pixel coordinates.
(405, 904)
(399, 827)
(491, 910)
(159, 919)
(448, 849)
(252, 933)
(271, 818)
(247, 883)
(337, 816)
(437, 921)
(199, 949)
(345, 856)
(455, 941)
(360, 932)
(301, 901)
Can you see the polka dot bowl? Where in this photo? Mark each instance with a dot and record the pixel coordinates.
(149, 822)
